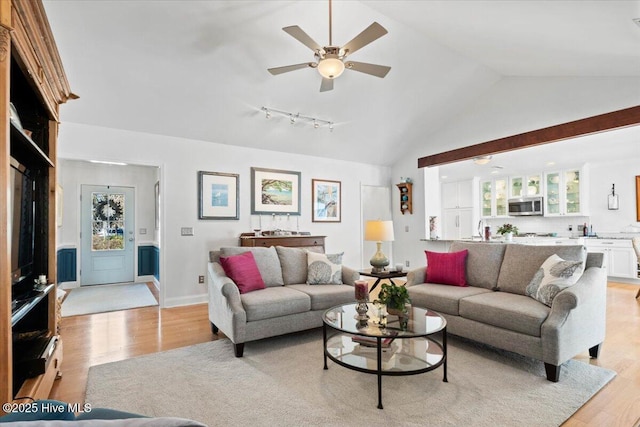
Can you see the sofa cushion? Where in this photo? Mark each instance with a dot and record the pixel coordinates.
(483, 262)
(274, 302)
(447, 268)
(513, 312)
(242, 269)
(266, 259)
(294, 264)
(521, 262)
(442, 298)
(326, 296)
(554, 275)
(324, 268)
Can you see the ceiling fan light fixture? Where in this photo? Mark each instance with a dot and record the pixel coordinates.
(482, 160)
(330, 68)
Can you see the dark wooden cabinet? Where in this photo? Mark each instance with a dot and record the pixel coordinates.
(298, 241)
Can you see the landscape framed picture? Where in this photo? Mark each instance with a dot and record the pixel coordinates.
(275, 191)
(218, 195)
(327, 200)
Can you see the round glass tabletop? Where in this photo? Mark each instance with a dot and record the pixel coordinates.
(422, 322)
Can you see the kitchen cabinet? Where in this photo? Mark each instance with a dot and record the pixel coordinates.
(458, 224)
(566, 193)
(525, 186)
(459, 194)
(493, 198)
(619, 257)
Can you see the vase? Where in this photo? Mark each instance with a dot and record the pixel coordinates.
(508, 237)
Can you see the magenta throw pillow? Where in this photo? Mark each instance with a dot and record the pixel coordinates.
(447, 268)
(243, 270)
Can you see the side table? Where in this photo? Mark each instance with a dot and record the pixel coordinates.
(384, 275)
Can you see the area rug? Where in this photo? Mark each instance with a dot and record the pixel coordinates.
(280, 381)
(103, 298)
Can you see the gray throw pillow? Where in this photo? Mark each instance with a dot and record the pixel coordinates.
(554, 275)
(324, 269)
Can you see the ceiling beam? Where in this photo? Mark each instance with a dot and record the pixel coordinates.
(601, 123)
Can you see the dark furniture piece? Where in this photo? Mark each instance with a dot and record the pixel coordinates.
(420, 351)
(306, 241)
(384, 275)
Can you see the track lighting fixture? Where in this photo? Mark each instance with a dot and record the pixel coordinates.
(296, 117)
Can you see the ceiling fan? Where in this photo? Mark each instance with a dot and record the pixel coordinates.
(330, 60)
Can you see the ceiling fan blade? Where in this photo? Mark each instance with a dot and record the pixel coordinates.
(363, 67)
(326, 85)
(279, 70)
(297, 33)
(371, 33)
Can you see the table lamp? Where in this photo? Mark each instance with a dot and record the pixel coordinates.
(378, 231)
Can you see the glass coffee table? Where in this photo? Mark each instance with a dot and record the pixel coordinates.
(367, 346)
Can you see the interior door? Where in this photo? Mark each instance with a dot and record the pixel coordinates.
(375, 204)
(107, 236)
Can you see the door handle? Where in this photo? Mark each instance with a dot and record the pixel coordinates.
(131, 239)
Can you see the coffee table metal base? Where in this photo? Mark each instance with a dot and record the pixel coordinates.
(404, 356)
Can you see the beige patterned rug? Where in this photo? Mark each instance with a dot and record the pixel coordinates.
(280, 382)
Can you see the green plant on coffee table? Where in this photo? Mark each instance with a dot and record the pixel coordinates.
(394, 297)
(507, 228)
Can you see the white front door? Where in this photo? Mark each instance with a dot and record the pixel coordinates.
(107, 234)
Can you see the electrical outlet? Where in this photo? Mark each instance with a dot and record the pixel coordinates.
(200, 279)
(580, 227)
(406, 228)
(406, 263)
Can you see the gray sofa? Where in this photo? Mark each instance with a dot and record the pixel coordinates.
(287, 303)
(494, 309)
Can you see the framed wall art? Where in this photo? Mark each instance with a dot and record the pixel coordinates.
(218, 195)
(327, 200)
(275, 192)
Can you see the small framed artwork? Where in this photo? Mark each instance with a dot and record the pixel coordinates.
(275, 192)
(218, 195)
(327, 200)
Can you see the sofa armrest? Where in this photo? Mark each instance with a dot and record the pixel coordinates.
(225, 307)
(577, 318)
(349, 275)
(416, 276)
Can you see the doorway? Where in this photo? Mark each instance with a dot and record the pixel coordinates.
(107, 234)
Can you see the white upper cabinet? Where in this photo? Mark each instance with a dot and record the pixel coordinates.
(565, 193)
(493, 198)
(525, 186)
(458, 194)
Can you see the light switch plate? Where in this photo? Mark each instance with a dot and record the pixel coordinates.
(186, 231)
(143, 231)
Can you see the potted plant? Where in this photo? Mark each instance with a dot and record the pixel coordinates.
(394, 297)
(508, 230)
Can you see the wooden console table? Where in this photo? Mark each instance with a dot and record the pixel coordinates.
(313, 243)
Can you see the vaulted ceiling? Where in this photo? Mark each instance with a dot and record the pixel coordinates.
(198, 69)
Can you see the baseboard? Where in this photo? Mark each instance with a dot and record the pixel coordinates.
(189, 300)
(69, 285)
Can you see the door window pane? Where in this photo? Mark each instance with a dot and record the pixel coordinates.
(108, 221)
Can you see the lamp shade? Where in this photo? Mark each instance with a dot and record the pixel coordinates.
(378, 231)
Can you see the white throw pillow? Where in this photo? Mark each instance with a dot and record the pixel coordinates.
(323, 269)
(554, 275)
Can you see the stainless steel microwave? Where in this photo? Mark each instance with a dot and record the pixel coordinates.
(526, 206)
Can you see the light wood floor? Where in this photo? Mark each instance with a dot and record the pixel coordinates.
(108, 337)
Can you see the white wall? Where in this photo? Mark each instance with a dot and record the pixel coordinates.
(183, 259)
(622, 173)
(511, 106)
